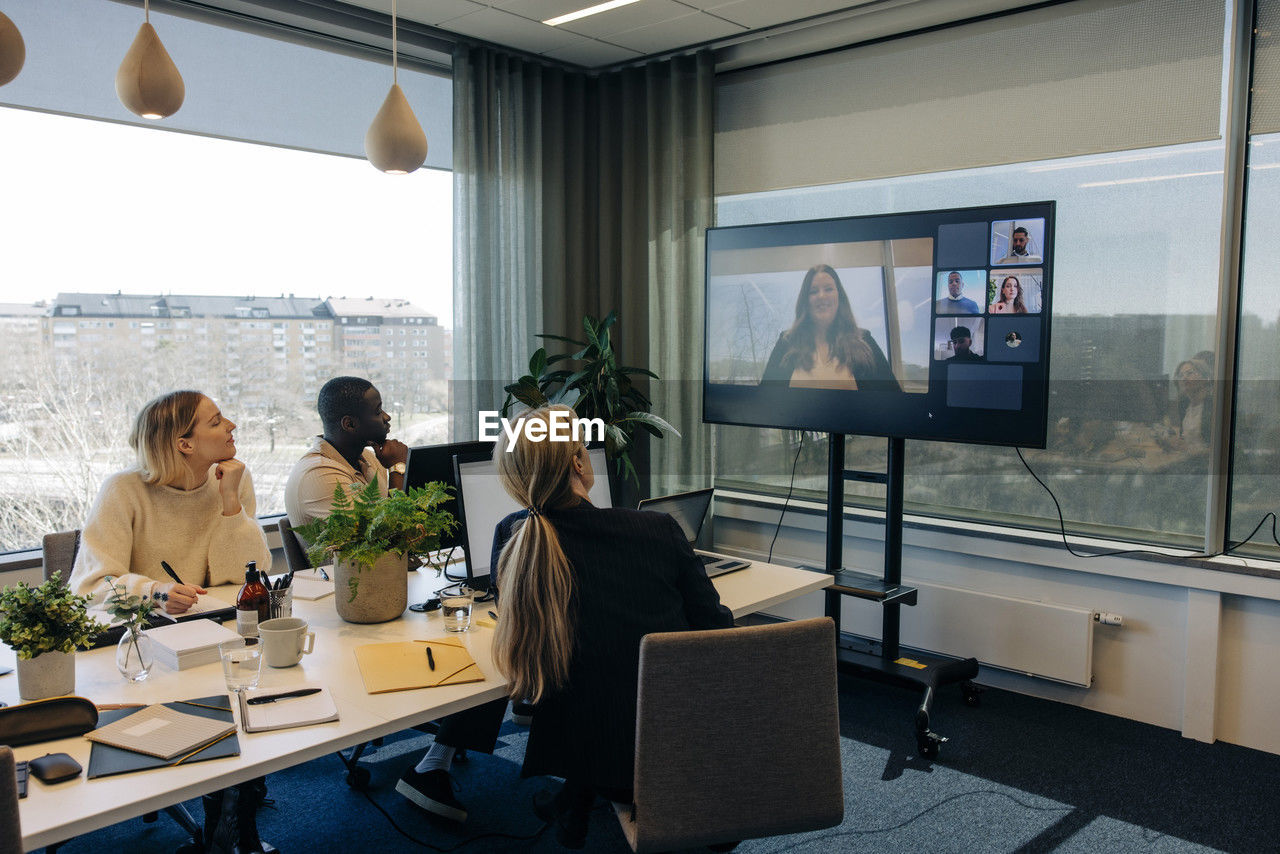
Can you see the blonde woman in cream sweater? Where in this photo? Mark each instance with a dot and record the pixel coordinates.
(188, 502)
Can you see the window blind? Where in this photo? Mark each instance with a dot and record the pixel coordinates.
(1065, 80)
(239, 85)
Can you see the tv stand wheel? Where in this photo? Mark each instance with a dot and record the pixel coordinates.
(928, 744)
(358, 779)
(972, 694)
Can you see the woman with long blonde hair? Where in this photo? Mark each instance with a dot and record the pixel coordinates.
(579, 587)
(188, 502)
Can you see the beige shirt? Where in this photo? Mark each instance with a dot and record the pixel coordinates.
(308, 495)
(134, 525)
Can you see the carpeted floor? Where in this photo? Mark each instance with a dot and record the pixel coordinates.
(1019, 775)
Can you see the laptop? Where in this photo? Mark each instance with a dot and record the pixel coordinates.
(483, 503)
(689, 509)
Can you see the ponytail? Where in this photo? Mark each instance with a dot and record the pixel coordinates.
(533, 644)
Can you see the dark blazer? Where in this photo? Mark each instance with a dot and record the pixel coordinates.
(634, 574)
(877, 376)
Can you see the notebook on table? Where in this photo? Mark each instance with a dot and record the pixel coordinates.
(689, 509)
(404, 665)
(288, 712)
(106, 760)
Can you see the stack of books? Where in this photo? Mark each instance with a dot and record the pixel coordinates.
(191, 644)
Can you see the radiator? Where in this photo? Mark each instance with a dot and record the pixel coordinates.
(1036, 638)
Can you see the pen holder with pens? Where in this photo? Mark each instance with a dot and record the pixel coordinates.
(281, 602)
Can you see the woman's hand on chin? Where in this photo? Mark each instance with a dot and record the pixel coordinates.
(229, 473)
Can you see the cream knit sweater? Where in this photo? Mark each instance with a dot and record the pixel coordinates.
(133, 526)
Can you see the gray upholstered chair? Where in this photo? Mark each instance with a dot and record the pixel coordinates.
(294, 555)
(60, 554)
(10, 833)
(737, 736)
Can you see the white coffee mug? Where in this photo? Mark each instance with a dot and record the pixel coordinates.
(285, 640)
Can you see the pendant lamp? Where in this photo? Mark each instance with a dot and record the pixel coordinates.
(147, 82)
(395, 142)
(12, 50)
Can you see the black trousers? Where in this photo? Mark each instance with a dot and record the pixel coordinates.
(475, 729)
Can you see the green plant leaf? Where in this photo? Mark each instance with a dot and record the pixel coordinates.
(651, 420)
(645, 371)
(561, 338)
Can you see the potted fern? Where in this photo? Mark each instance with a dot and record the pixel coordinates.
(44, 625)
(598, 387)
(369, 538)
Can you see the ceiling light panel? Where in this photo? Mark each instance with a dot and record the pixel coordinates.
(677, 33)
(628, 18)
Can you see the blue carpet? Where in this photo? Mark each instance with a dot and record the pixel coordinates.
(1019, 775)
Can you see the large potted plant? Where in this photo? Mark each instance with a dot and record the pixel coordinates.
(369, 539)
(44, 625)
(597, 387)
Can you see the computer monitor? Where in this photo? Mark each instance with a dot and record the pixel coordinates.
(922, 325)
(428, 463)
(483, 503)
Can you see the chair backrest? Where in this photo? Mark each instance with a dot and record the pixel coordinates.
(10, 833)
(60, 554)
(737, 735)
(294, 555)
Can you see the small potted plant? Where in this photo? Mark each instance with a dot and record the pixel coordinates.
(369, 539)
(44, 625)
(135, 653)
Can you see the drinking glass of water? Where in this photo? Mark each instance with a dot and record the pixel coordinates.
(455, 606)
(241, 663)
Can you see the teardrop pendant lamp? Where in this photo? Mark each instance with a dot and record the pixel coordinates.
(147, 82)
(13, 52)
(395, 142)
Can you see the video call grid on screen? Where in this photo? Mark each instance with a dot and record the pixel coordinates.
(888, 275)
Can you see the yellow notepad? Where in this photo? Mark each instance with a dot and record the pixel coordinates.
(402, 666)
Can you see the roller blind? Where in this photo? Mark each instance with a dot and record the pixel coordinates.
(240, 85)
(1265, 116)
(1076, 78)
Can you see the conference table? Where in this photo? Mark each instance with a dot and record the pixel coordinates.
(53, 813)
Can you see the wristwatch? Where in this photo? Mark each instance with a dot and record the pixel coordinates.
(398, 468)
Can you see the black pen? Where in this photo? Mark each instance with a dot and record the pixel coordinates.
(493, 614)
(431, 659)
(271, 698)
(169, 571)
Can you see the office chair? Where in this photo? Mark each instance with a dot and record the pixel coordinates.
(10, 832)
(294, 555)
(60, 552)
(737, 736)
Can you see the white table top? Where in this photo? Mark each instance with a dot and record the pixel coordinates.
(50, 814)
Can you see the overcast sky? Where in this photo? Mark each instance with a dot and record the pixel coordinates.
(95, 206)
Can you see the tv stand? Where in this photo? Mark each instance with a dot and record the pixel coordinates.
(882, 660)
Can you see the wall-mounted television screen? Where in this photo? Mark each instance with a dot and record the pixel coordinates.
(925, 325)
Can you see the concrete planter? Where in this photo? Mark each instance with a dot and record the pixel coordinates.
(380, 592)
(50, 674)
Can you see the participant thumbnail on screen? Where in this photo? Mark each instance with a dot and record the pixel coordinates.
(1015, 291)
(959, 339)
(960, 291)
(1017, 241)
(846, 316)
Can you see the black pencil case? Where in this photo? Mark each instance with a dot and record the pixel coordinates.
(46, 720)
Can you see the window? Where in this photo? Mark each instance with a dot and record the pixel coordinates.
(1137, 243)
(281, 218)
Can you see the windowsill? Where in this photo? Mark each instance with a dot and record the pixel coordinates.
(1255, 577)
(32, 558)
